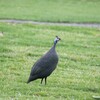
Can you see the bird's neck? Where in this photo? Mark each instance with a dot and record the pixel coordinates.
(54, 45)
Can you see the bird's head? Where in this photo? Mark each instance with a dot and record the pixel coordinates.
(56, 39)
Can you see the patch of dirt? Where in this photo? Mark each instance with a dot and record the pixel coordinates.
(94, 25)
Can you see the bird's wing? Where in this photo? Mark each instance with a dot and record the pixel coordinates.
(36, 68)
(42, 65)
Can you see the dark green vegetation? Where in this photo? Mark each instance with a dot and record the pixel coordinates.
(51, 10)
(77, 76)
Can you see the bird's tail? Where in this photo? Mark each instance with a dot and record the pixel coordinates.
(31, 78)
(28, 81)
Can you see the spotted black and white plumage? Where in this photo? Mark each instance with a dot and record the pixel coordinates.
(45, 65)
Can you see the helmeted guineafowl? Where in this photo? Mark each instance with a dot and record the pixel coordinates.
(45, 65)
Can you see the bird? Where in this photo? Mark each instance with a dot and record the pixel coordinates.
(45, 65)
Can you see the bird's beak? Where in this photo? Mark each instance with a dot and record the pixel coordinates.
(59, 38)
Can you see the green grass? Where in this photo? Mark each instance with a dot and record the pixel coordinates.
(77, 76)
(51, 10)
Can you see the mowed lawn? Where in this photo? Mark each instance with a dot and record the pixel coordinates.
(77, 76)
(51, 10)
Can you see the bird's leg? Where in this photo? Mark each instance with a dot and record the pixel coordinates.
(41, 80)
(45, 80)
